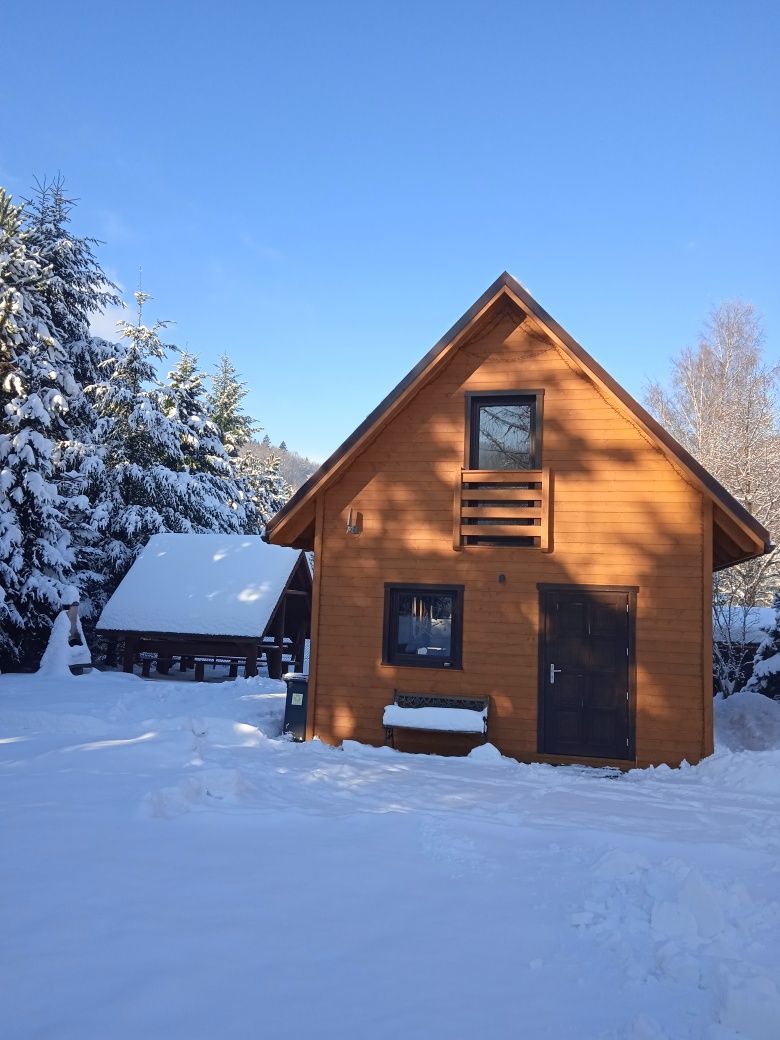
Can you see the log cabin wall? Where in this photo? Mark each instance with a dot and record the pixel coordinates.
(621, 515)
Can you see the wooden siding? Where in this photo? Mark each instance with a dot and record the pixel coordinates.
(620, 515)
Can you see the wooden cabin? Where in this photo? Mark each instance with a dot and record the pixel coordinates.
(509, 524)
(209, 597)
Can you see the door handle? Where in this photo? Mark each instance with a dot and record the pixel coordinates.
(553, 672)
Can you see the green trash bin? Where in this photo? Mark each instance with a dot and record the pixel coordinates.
(297, 704)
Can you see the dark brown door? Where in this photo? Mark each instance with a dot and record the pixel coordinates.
(586, 658)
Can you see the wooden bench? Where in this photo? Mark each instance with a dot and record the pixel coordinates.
(163, 663)
(436, 714)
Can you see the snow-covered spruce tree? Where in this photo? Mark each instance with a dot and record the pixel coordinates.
(153, 454)
(76, 289)
(147, 490)
(267, 487)
(36, 385)
(226, 408)
(185, 397)
(766, 664)
(220, 501)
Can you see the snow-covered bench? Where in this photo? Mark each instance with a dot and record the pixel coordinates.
(436, 714)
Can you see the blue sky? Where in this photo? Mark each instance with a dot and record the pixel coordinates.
(322, 189)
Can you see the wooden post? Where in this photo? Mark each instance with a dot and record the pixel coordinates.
(233, 667)
(544, 539)
(457, 541)
(128, 659)
(250, 668)
(707, 735)
(299, 648)
(146, 667)
(274, 659)
(182, 664)
(200, 668)
(281, 617)
(319, 524)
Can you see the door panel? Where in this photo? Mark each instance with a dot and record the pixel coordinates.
(586, 638)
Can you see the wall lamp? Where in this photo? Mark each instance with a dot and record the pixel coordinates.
(354, 522)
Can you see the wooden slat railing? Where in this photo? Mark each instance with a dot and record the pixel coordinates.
(483, 498)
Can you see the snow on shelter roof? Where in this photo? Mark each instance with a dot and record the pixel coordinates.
(201, 584)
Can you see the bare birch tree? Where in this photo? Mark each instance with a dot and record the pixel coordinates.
(722, 405)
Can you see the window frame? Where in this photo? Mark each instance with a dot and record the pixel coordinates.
(478, 398)
(393, 591)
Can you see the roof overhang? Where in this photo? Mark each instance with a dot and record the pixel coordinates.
(737, 535)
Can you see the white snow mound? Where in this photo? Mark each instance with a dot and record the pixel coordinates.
(486, 753)
(747, 722)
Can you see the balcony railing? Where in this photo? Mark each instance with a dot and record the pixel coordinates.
(502, 508)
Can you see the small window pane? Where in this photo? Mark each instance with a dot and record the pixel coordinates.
(424, 624)
(505, 436)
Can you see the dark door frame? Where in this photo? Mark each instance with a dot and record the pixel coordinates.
(631, 591)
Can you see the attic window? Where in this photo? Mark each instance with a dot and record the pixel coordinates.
(504, 431)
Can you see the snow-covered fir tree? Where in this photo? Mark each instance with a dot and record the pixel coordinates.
(766, 664)
(267, 487)
(36, 384)
(226, 407)
(160, 475)
(142, 448)
(77, 288)
(221, 501)
(185, 397)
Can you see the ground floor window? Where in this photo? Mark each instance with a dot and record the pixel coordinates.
(423, 625)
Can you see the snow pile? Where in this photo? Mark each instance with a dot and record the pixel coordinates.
(486, 753)
(675, 922)
(747, 722)
(59, 655)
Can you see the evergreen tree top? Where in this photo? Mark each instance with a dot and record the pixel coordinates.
(226, 410)
(77, 286)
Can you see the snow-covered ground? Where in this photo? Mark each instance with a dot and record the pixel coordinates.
(170, 868)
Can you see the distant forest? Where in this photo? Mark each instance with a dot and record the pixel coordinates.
(293, 468)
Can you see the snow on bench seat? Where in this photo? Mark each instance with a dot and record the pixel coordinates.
(436, 713)
(446, 720)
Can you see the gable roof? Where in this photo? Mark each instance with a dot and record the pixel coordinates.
(202, 584)
(738, 535)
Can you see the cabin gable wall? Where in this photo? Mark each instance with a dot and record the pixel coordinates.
(621, 515)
